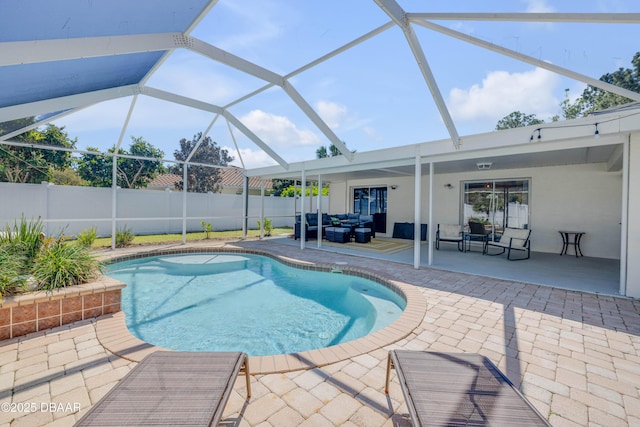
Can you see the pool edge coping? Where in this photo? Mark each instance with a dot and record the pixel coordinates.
(112, 332)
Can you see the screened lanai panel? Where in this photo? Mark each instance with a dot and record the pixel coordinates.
(26, 20)
(49, 80)
(33, 20)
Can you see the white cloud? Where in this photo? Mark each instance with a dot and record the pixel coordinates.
(372, 134)
(278, 130)
(251, 158)
(105, 115)
(332, 113)
(196, 78)
(539, 6)
(263, 23)
(502, 92)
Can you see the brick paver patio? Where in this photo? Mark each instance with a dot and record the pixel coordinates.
(576, 356)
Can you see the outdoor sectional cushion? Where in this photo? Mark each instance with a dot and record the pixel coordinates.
(312, 219)
(362, 235)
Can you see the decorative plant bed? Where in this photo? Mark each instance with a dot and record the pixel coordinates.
(37, 311)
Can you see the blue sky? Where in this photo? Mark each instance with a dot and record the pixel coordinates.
(372, 96)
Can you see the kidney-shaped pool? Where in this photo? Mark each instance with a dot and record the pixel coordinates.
(250, 303)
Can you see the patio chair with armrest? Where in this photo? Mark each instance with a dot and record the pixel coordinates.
(172, 388)
(446, 389)
(310, 224)
(450, 233)
(511, 239)
(478, 233)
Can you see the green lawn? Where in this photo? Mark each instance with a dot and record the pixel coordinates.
(191, 237)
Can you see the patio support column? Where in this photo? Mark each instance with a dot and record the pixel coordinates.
(245, 207)
(184, 203)
(417, 235)
(319, 206)
(303, 199)
(261, 208)
(624, 220)
(114, 199)
(430, 227)
(114, 173)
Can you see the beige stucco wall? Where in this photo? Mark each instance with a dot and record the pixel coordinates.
(576, 197)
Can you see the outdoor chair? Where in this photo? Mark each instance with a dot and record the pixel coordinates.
(477, 233)
(450, 233)
(512, 239)
(459, 389)
(172, 388)
(311, 231)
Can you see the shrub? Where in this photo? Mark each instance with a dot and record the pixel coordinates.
(12, 269)
(87, 237)
(207, 227)
(124, 237)
(59, 264)
(268, 226)
(24, 237)
(29, 260)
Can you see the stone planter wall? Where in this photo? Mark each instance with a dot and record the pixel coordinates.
(26, 313)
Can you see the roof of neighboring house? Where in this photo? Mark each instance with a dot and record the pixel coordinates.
(231, 177)
(164, 180)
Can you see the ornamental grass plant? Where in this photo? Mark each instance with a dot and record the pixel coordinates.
(59, 264)
(31, 261)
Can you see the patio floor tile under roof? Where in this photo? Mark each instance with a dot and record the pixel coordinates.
(575, 355)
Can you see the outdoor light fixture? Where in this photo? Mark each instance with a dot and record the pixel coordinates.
(484, 165)
(393, 187)
(448, 186)
(597, 132)
(534, 132)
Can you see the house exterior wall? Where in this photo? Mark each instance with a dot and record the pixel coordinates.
(633, 240)
(573, 197)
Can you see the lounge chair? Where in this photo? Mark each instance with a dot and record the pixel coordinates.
(511, 239)
(445, 389)
(450, 233)
(171, 388)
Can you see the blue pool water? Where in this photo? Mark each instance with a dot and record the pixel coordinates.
(250, 303)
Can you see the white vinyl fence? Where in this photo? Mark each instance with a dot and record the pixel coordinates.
(72, 209)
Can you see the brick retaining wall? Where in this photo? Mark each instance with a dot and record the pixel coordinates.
(37, 311)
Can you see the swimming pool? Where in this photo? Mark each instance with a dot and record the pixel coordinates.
(246, 302)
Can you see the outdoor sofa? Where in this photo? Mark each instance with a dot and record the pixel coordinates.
(351, 221)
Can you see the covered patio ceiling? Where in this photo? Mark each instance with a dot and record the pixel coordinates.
(561, 143)
(74, 54)
(570, 156)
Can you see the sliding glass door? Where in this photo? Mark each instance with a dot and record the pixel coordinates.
(372, 201)
(497, 203)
